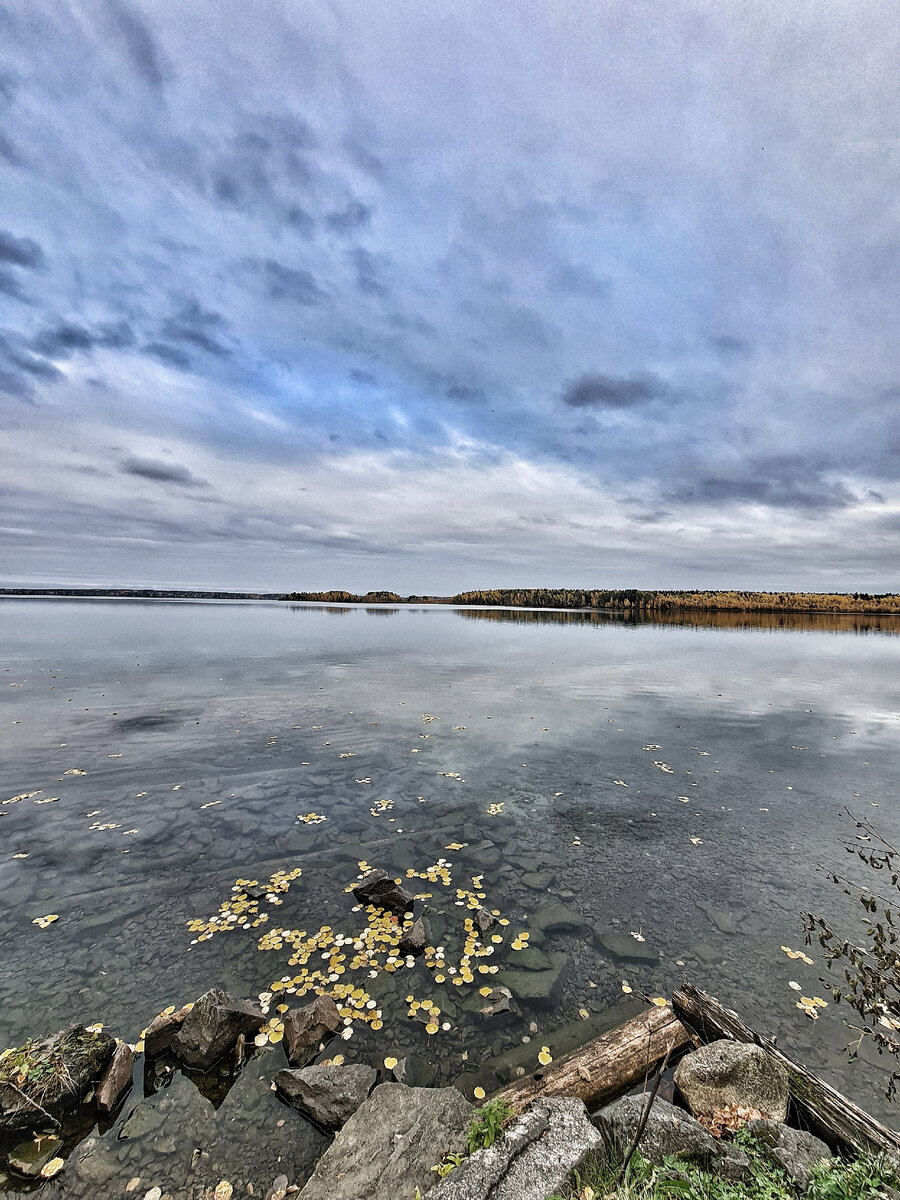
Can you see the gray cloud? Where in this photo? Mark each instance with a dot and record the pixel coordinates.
(161, 472)
(20, 252)
(349, 219)
(169, 356)
(291, 283)
(777, 481)
(606, 391)
(137, 42)
(67, 338)
(198, 327)
(368, 274)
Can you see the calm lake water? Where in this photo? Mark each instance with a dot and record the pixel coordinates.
(677, 787)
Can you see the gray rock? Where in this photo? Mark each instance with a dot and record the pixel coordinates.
(378, 888)
(539, 988)
(721, 918)
(144, 1118)
(557, 918)
(95, 1162)
(211, 1028)
(279, 1187)
(305, 1029)
(327, 1095)
(388, 1147)
(484, 920)
(413, 940)
(623, 945)
(793, 1149)
(160, 1033)
(534, 1158)
(727, 1073)
(116, 1078)
(538, 881)
(669, 1131)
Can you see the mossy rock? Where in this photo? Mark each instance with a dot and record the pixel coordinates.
(45, 1078)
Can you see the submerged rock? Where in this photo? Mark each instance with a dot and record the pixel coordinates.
(533, 1159)
(623, 946)
(388, 1147)
(413, 940)
(305, 1029)
(29, 1157)
(328, 1095)
(42, 1079)
(725, 1073)
(536, 987)
(378, 888)
(211, 1028)
(669, 1131)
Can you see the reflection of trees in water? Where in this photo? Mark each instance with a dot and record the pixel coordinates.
(382, 612)
(799, 622)
(329, 608)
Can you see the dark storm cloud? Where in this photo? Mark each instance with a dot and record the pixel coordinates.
(20, 252)
(198, 327)
(161, 472)
(169, 356)
(11, 285)
(138, 44)
(368, 275)
(607, 391)
(61, 341)
(20, 369)
(349, 219)
(294, 284)
(777, 482)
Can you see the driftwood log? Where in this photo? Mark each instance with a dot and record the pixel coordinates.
(829, 1114)
(607, 1066)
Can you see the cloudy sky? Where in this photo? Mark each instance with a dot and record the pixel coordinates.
(432, 295)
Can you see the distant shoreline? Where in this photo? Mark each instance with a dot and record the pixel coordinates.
(629, 601)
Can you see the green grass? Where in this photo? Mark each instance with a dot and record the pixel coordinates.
(487, 1123)
(861, 1179)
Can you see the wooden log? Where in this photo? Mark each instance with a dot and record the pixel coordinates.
(832, 1116)
(607, 1066)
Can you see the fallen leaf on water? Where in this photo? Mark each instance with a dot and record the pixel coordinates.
(53, 1167)
(545, 1057)
(638, 937)
(659, 1001)
(43, 922)
(223, 1191)
(478, 1093)
(74, 771)
(20, 856)
(695, 841)
(390, 1062)
(155, 1193)
(627, 988)
(584, 1014)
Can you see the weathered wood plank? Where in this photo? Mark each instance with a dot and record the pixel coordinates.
(607, 1066)
(828, 1113)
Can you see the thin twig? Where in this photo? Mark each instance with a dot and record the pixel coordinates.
(641, 1125)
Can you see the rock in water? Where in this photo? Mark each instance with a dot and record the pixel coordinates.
(532, 1160)
(116, 1077)
(29, 1157)
(50, 1076)
(306, 1028)
(328, 1095)
(798, 1152)
(160, 1033)
(378, 888)
(413, 941)
(669, 1130)
(727, 1073)
(211, 1028)
(388, 1147)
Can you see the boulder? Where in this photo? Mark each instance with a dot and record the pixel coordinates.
(42, 1079)
(328, 1095)
(726, 1073)
(211, 1028)
(388, 1147)
(378, 888)
(669, 1131)
(533, 1159)
(160, 1033)
(539, 988)
(484, 920)
(623, 946)
(116, 1078)
(793, 1149)
(554, 917)
(305, 1029)
(28, 1158)
(413, 940)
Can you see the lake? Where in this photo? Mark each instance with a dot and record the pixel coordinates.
(675, 790)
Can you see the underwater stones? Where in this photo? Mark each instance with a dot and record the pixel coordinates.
(532, 959)
(557, 918)
(539, 988)
(388, 1147)
(378, 888)
(305, 1029)
(484, 920)
(29, 1157)
(45, 1078)
(725, 1073)
(539, 881)
(116, 1078)
(413, 941)
(211, 1028)
(723, 920)
(623, 945)
(327, 1094)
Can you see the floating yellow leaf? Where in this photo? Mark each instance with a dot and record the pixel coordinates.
(223, 1191)
(626, 988)
(659, 1001)
(545, 1057)
(74, 771)
(53, 1167)
(432, 1027)
(43, 922)
(390, 1062)
(478, 1093)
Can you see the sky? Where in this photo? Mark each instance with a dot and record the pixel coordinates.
(430, 296)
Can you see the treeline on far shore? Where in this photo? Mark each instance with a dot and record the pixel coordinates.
(632, 599)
